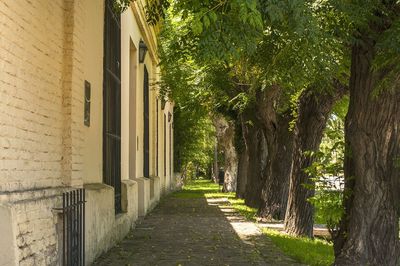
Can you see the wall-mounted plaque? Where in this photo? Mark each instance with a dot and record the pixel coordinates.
(86, 120)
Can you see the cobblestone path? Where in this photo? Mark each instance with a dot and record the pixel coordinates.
(194, 231)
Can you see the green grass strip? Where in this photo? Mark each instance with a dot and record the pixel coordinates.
(308, 251)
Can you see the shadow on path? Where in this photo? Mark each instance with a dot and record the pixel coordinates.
(192, 231)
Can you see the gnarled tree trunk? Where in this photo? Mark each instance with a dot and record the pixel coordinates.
(225, 134)
(243, 164)
(276, 185)
(242, 173)
(313, 113)
(215, 163)
(268, 166)
(231, 160)
(260, 141)
(369, 231)
(256, 143)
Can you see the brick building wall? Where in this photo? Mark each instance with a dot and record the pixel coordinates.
(40, 120)
(72, 87)
(40, 94)
(45, 149)
(31, 115)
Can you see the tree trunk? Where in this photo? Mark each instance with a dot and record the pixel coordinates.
(231, 160)
(225, 134)
(215, 163)
(262, 150)
(313, 113)
(210, 173)
(260, 143)
(242, 173)
(243, 164)
(275, 191)
(256, 143)
(369, 231)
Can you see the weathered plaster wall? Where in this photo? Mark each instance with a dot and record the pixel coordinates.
(8, 246)
(29, 227)
(93, 43)
(169, 180)
(104, 228)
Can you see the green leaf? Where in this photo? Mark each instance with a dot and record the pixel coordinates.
(206, 21)
(197, 27)
(213, 16)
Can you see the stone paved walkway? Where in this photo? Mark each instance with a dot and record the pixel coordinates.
(195, 232)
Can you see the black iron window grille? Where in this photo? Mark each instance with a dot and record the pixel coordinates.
(146, 124)
(156, 137)
(112, 102)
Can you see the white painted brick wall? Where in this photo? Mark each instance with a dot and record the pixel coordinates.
(31, 57)
(41, 87)
(41, 117)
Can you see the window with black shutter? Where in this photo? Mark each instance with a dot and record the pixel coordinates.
(156, 137)
(146, 119)
(112, 102)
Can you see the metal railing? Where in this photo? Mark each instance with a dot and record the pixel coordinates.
(73, 213)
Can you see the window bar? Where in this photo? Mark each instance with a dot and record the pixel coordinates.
(74, 228)
(68, 226)
(83, 229)
(80, 226)
(64, 228)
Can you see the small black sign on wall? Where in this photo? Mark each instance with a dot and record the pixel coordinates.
(86, 120)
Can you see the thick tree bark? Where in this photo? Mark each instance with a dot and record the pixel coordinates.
(260, 143)
(242, 173)
(256, 143)
(215, 163)
(276, 185)
(243, 153)
(313, 113)
(226, 136)
(231, 160)
(369, 231)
